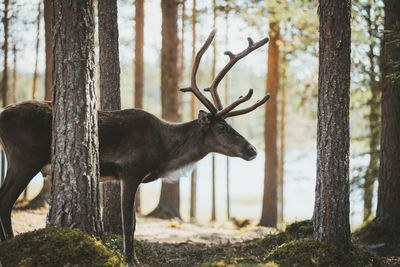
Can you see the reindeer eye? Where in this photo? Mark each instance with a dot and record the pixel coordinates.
(221, 128)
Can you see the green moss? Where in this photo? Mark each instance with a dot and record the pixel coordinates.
(271, 241)
(114, 242)
(361, 256)
(308, 252)
(296, 230)
(299, 229)
(57, 247)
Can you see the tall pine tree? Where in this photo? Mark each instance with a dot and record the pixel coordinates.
(168, 206)
(332, 208)
(110, 99)
(75, 200)
(387, 213)
(269, 208)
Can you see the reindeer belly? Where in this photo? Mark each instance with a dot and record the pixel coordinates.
(46, 171)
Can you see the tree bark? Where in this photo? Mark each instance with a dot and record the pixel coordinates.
(269, 209)
(48, 82)
(387, 213)
(139, 62)
(181, 61)
(75, 201)
(374, 106)
(228, 205)
(139, 67)
(182, 46)
(35, 73)
(110, 98)
(281, 172)
(4, 83)
(14, 84)
(214, 65)
(193, 110)
(168, 206)
(44, 196)
(331, 209)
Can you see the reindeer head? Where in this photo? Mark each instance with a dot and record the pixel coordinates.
(219, 134)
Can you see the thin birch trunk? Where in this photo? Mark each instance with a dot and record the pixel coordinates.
(193, 110)
(35, 73)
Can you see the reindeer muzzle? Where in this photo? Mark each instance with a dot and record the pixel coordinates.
(249, 153)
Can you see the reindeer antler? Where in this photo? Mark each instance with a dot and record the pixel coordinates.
(193, 88)
(218, 110)
(247, 110)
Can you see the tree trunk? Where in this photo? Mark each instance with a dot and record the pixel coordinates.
(228, 205)
(75, 201)
(48, 82)
(373, 169)
(387, 213)
(4, 83)
(14, 85)
(213, 215)
(139, 67)
(269, 209)
(44, 196)
(331, 209)
(182, 47)
(110, 98)
(168, 206)
(193, 109)
(139, 63)
(374, 105)
(214, 65)
(35, 73)
(282, 145)
(181, 53)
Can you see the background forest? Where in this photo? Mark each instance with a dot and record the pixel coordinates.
(296, 98)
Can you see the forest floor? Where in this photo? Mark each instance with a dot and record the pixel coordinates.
(175, 243)
(158, 230)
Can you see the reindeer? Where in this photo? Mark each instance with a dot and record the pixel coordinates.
(134, 146)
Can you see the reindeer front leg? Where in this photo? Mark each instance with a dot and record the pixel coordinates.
(128, 192)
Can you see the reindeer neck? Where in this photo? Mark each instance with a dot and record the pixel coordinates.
(183, 143)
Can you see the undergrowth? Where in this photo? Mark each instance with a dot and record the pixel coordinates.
(309, 252)
(292, 247)
(55, 247)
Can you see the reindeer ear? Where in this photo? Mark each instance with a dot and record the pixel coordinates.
(204, 120)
